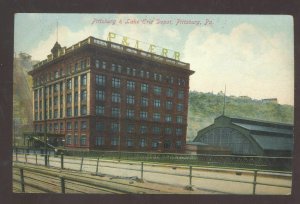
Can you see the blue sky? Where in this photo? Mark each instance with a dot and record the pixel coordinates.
(251, 54)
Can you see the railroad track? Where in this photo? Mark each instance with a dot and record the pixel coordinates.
(40, 179)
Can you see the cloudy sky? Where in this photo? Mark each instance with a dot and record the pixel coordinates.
(251, 54)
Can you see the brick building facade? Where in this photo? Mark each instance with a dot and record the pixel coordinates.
(98, 93)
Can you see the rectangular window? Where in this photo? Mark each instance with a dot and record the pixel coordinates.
(97, 63)
(76, 81)
(130, 128)
(179, 119)
(55, 88)
(75, 110)
(128, 70)
(83, 95)
(178, 144)
(83, 64)
(115, 112)
(156, 130)
(69, 112)
(143, 115)
(61, 127)
(75, 139)
(142, 73)
(116, 97)
(83, 140)
(83, 80)
(143, 129)
(100, 80)
(168, 131)
(56, 126)
(129, 142)
(180, 94)
(69, 98)
(55, 113)
(155, 144)
(119, 68)
(115, 127)
(144, 102)
(99, 110)
(114, 141)
(83, 125)
(76, 67)
(116, 82)
(100, 95)
(68, 140)
(143, 142)
(170, 92)
(144, 88)
(167, 144)
(130, 113)
(180, 107)
(130, 99)
(75, 125)
(100, 141)
(69, 84)
(76, 97)
(113, 67)
(133, 72)
(130, 85)
(55, 100)
(156, 116)
(69, 126)
(169, 105)
(156, 103)
(157, 90)
(168, 118)
(83, 110)
(179, 131)
(100, 126)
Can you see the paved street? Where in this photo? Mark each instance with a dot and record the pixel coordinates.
(180, 174)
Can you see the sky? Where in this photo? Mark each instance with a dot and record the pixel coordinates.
(253, 55)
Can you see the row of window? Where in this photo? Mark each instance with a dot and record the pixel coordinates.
(130, 113)
(131, 86)
(56, 114)
(59, 86)
(100, 64)
(80, 65)
(100, 141)
(60, 126)
(143, 129)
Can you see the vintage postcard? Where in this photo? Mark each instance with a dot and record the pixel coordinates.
(153, 103)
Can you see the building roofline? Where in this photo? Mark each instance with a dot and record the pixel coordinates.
(92, 41)
(256, 120)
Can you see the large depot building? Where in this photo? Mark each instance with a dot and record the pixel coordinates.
(103, 95)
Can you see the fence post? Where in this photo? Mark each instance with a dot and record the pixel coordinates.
(97, 166)
(46, 160)
(36, 158)
(142, 170)
(26, 158)
(22, 180)
(254, 182)
(16, 154)
(190, 183)
(81, 163)
(62, 184)
(62, 160)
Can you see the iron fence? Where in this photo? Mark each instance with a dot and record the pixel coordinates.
(139, 169)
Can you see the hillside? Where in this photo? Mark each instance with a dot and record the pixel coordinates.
(204, 107)
(22, 100)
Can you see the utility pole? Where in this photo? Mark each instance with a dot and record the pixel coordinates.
(224, 101)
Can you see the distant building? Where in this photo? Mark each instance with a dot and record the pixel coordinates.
(107, 96)
(248, 137)
(269, 100)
